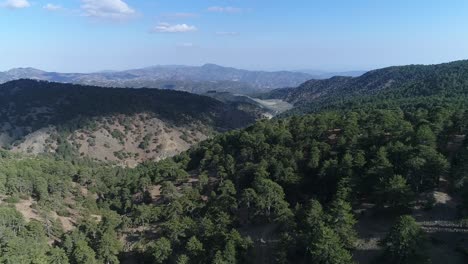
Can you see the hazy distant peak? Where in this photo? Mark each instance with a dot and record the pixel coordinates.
(24, 70)
(176, 77)
(170, 66)
(206, 65)
(215, 66)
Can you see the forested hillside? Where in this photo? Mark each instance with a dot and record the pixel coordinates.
(370, 179)
(283, 191)
(393, 85)
(116, 124)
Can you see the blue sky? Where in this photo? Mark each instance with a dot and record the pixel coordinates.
(330, 35)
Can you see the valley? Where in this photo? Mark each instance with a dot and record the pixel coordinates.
(274, 106)
(233, 132)
(262, 108)
(333, 171)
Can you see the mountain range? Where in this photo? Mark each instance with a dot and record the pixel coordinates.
(112, 175)
(128, 126)
(185, 78)
(320, 75)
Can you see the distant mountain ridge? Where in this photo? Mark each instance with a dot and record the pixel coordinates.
(398, 82)
(195, 79)
(326, 75)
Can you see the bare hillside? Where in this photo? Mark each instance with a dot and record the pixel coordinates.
(126, 126)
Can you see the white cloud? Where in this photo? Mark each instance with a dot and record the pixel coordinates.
(168, 28)
(16, 4)
(227, 33)
(113, 9)
(227, 9)
(52, 7)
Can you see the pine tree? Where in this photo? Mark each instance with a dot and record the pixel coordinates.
(405, 244)
(327, 248)
(82, 253)
(194, 247)
(109, 247)
(162, 250)
(394, 193)
(342, 221)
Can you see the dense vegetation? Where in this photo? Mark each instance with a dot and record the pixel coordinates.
(395, 86)
(293, 179)
(50, 183)
(37, 104)
(280, 191)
